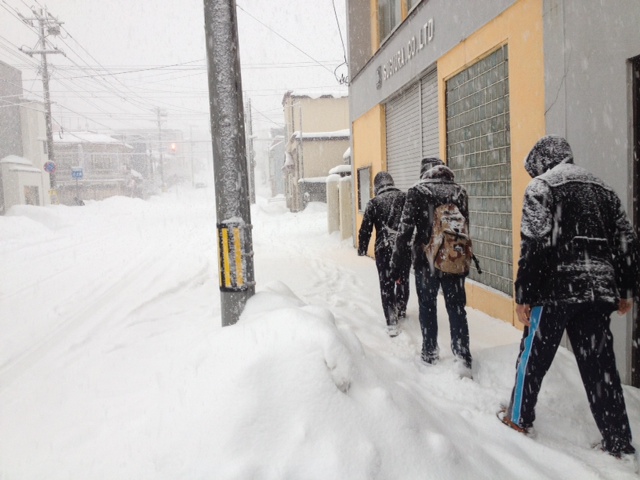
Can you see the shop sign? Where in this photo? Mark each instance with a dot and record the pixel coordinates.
(406, 53)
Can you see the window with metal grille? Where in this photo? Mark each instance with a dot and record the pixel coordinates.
(479, 153)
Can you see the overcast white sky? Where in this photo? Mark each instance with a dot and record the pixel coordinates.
(97, 85)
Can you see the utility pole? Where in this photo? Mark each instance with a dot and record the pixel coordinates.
(48, 25)
(251, 156)
(160, 114)
(233, 212)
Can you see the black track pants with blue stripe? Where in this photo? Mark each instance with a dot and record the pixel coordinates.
(587, 327)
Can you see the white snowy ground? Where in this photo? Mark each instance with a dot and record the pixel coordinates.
(113, 363)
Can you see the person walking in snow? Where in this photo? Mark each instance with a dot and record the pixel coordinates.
(578, 264)
(383, 211)
(435, 188)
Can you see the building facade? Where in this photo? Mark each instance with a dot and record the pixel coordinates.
(103, 160)
(23, 180)
(317, 133)
(477, 84)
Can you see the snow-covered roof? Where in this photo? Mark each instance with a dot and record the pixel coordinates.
(313, 180)
(87, 137)
(341, 169)
(19, 164)
(347, 153)
(346, 133)
(21, 168)
(17, 160)
(321, 94)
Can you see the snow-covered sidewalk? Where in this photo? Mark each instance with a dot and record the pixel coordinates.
(113, 363)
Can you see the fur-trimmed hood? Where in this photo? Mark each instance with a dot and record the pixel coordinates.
(548, 152)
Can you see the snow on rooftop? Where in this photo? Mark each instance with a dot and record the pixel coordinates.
(341, 169)
(346, 133)
(17, 160)
(85, 137)
(347, 153)
(313, 180)
(322, 94)
(19, 164)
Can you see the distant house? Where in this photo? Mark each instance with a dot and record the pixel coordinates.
(24, 183)
(22, 145)
(317, 134)
(105, 163)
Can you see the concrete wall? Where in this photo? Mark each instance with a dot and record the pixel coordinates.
(34, 134)
(587, 45)
(345, 188)
(320, 156)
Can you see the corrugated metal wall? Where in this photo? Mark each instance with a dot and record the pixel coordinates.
(412, 130)
(430, 132)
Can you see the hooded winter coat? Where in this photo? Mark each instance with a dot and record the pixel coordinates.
(383, 211)
(436, 187)
(577, 244)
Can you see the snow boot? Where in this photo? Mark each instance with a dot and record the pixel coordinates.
(430, 358)
(393, 330)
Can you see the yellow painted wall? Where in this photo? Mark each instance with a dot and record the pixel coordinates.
(521, 28)
(320, 156)
(326, 114)
(369, 150)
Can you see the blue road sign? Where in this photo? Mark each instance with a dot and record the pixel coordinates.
(76, 172)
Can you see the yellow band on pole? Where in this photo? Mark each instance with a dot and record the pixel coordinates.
(238, 251)
(226, 271)
(231, 252)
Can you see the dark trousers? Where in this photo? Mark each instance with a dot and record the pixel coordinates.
(455, 300)
(587, 327)
(394, 297)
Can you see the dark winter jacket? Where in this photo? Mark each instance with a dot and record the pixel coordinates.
(577, 244)
(383, 211)
(436, 187)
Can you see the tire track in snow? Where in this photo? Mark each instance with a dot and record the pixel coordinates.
(92, 314)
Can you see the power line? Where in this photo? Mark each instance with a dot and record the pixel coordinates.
(283, 38)
(342, 79)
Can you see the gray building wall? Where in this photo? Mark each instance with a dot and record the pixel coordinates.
(586, 49)
(587, 45)
(359, 31)
(10, 97)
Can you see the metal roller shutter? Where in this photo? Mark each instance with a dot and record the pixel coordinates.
(412, 130)
(430, 132)
(404, 137)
